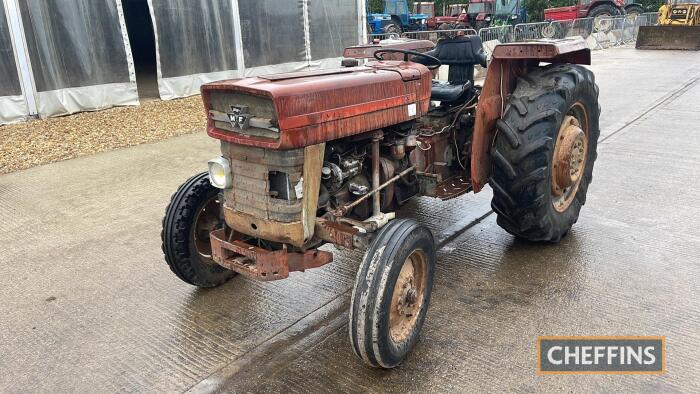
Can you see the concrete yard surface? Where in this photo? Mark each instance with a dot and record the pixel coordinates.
(89, 305)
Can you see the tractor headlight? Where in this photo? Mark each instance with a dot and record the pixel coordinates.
(220, 173)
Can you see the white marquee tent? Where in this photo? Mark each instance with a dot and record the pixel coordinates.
(64, 56)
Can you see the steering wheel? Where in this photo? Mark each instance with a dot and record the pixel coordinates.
(433, 64)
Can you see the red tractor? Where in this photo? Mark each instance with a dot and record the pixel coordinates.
(424, 7)
(593, 9)
(327, 157)
(455, 17)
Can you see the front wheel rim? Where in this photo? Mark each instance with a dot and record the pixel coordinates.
(408, 296)
(208, 219)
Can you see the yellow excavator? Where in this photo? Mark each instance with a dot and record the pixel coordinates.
(678, 27)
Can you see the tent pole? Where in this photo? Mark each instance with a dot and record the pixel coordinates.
(238, 38)
(26, 75)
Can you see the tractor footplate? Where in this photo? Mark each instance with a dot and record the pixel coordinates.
(453, 187)
(263, 264)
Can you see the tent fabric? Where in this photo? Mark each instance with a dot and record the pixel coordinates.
(194, 37)
(12, 104)
(75, 55)
(275, 36)
(9, 83)
(195, 44)
(12, 109)
(80, 55)
(273, 31)
(333, 25)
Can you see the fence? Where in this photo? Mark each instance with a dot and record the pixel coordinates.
(599, 32)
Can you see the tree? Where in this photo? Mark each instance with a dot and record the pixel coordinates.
(375, 5)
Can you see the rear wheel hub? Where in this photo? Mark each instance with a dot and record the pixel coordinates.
(569, 162)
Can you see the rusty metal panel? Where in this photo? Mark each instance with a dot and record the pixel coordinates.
(509, 62)
(312, 108)
(250, 168)
(567, 50)
(367, 51)
(501, 78)
(336, 233)
(263, 264)
(252, 208)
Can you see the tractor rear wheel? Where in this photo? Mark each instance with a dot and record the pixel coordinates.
(634, 11)
(603, 10)
(194, 211)
(544, 151)
(602, 17)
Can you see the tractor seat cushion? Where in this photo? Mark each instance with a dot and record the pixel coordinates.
(447, 92)
(461, 50)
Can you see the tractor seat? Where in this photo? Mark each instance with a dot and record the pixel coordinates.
(446, 92)
(461, 53)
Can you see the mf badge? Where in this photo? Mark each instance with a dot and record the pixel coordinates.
(239, 117)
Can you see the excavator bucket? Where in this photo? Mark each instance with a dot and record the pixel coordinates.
(669, 37)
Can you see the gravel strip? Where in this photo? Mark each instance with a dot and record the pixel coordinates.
(33, 143)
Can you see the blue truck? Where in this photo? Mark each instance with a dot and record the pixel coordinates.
(395, 19)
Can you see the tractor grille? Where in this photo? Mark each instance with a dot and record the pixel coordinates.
(263, 118)
(265, 182)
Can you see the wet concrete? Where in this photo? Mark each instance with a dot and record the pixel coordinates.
(89, 305)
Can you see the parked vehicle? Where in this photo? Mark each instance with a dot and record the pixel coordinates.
(478, 14)
(487, 13)
(680, 13)
(312, 158)
(396, 19)
(426, 8)
(593, 9)
(455, 17)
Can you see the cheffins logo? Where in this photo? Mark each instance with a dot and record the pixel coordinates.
(601, 355)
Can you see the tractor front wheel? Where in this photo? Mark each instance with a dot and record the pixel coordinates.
(391, 294)
(194, 211)
(392, 28)
(544, 151)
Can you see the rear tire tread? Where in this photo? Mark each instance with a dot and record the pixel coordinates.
(520, 176)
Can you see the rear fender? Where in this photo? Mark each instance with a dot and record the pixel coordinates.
(509, 62)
